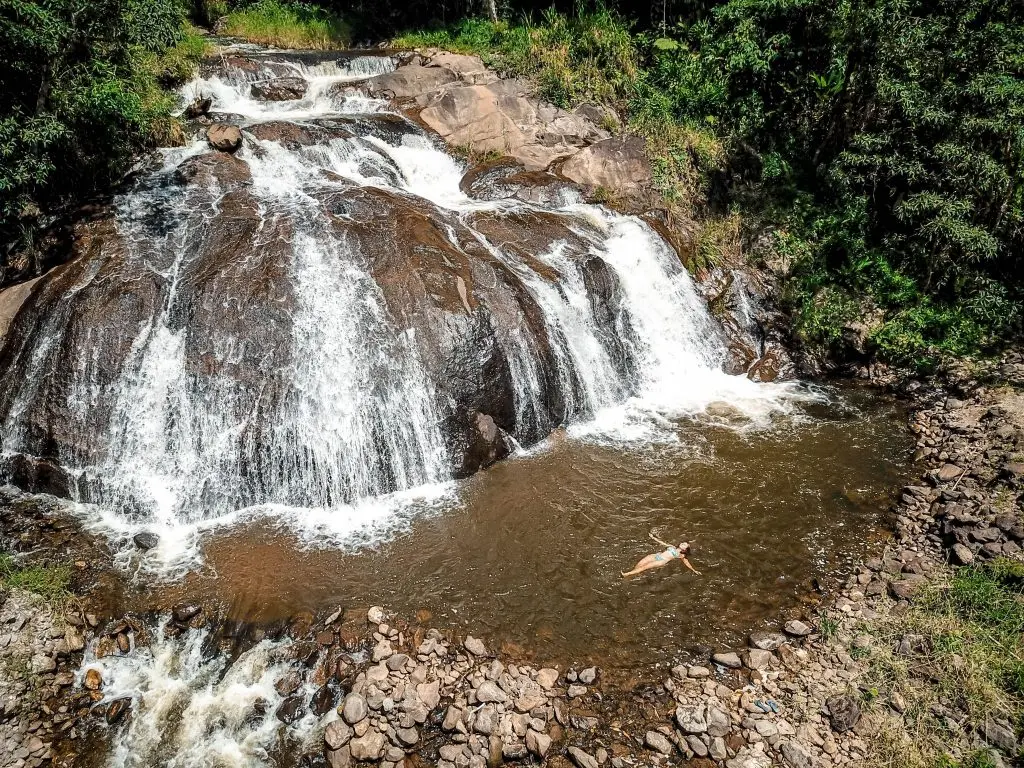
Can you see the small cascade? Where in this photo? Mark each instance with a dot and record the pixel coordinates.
(309, 329)
(193, 707)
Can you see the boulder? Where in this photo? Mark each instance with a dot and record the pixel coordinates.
(355, 708)
(146, 540)
(369, 746)
(197, 107)
(279, 89)
(618, 165)
(468, 69)
(223, 137)
(501, 117)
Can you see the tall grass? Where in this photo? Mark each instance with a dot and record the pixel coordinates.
(293, 25)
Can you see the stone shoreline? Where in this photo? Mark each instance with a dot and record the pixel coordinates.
(400, 693)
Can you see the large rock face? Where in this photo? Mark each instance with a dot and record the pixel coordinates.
(200, 275)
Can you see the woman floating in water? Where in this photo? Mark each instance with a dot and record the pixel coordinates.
(658, 559)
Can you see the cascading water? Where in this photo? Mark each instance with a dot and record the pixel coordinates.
(311, 321)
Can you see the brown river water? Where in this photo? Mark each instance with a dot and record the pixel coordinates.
(532, 553)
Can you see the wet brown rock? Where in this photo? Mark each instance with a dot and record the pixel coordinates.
(279, 89)
(93, 680)
(198, 107)
(225, 138)
(118, 709)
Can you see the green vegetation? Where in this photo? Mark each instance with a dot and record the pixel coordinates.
(288, 25)
(966, 637)
(84, 91)
(50, 582)
(885, 140)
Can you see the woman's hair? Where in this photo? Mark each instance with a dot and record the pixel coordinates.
(684, 547)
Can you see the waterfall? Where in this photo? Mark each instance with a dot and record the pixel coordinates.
(287, 338)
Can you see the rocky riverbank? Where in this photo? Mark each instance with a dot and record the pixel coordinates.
(358, 686)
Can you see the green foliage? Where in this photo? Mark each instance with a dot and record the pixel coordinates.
(890, 142)
(288, 24)
(82, 94)
(50, 582)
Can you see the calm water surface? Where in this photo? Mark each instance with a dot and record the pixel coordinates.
(533, 552)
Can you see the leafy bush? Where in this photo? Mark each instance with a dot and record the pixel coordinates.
(283, 24)
(82, 94)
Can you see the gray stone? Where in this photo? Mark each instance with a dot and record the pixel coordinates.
(354, 710)
(475, 646)
(796, 755)
(691, 719)
(948, 472)
(375, 615)
(429, 693)
(368, 747)
(397, 661)
(962, 555)
(408, 736)
(757, 659)
(698, 673)
(486, 720)
(337, 734)
(999, 735)
(797, 628)
(452, 716)
(547, 678)
(450, 752)
(146, 539)
(719, 723)
(588, 676)
(581, 758)
(658, 742)
(537, 743)
(489, 691)
(575, 691)
(727, 659)
(382, 651)
(717, 749)
(698, 747)
(766, 641)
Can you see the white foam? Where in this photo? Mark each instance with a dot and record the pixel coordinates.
(191, 710)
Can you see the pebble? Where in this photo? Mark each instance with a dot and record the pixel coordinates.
(475, 646)
(355, 709)
(489, 691)
(727, 659)
(658, 742)
(797, 628)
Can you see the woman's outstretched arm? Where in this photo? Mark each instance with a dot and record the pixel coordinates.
(687, 564)
(663, 543)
